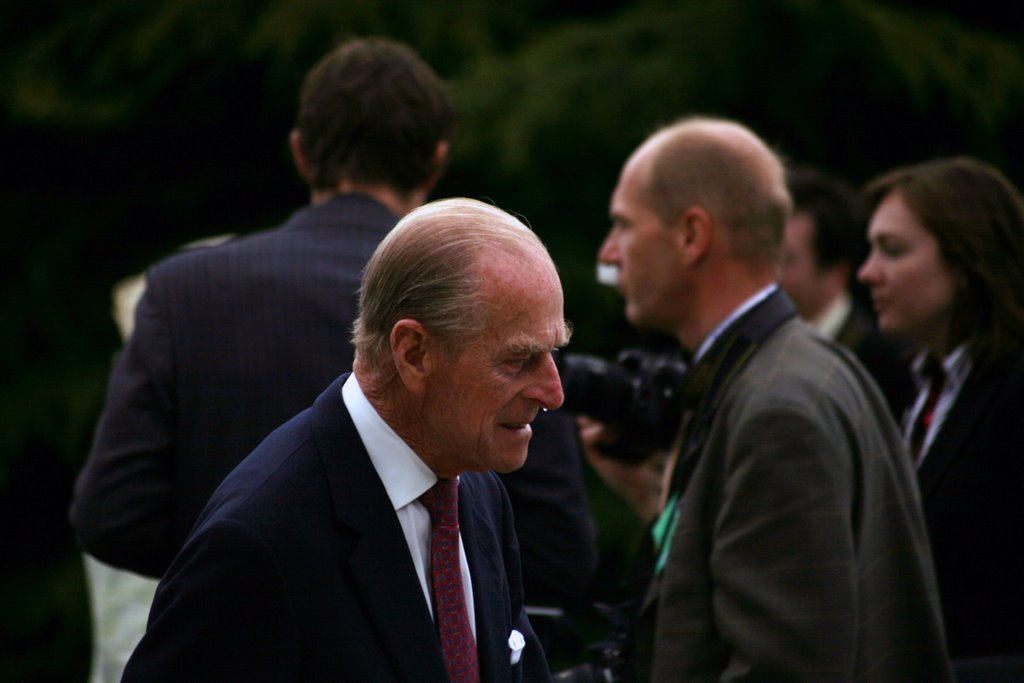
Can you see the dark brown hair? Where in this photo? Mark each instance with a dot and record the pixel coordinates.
(837, 212)
(977, 217)
(371, 111)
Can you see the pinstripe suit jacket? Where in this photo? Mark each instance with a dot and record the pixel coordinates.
(229, 342)
(800, 551)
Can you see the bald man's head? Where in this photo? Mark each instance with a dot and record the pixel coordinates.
(725, 168)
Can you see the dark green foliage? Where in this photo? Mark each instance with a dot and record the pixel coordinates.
(851, 86)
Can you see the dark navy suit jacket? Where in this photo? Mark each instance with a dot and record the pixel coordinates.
(298, 570)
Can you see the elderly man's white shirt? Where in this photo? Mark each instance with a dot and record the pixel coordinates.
(405, 477)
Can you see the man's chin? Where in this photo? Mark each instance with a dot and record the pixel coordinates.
(509, 462)
(639, 322)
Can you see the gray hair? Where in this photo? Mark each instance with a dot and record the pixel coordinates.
(427, 269)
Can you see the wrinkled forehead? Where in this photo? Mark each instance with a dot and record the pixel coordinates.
(517, 286)
(526, 263)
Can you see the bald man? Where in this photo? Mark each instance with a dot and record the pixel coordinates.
(787, 539)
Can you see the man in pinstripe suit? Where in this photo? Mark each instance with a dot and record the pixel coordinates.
(788, 541)
(230, 341)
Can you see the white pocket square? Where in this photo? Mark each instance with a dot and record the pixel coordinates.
(516, 643)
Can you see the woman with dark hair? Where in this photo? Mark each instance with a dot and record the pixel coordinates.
(946, 274)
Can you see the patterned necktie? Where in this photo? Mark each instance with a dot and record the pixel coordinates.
(457, 644)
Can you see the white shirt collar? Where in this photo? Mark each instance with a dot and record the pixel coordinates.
(956, 365)
(831, 320)
(404, 475)
(731, 318)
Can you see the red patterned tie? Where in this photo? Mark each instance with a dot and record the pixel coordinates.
(453, 627)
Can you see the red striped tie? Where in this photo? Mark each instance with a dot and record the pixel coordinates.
(452, 617)
(935, 375)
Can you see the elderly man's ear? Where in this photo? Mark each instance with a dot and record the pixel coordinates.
(415, 352)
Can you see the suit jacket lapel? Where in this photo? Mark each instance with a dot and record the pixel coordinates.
(493, 618)
(380, 565)
(948, 445)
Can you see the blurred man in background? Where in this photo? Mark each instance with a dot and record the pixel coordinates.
(823, 247)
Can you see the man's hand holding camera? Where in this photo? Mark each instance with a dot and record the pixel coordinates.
(639, 482)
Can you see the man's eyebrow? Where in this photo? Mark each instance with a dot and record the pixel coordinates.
(528, 348)
(566, 333)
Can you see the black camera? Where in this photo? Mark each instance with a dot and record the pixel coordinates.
(639, 393)
(613, 654)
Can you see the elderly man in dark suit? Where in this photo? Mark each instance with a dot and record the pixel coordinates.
(233, 340)
(789, 542)
(317, 558)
